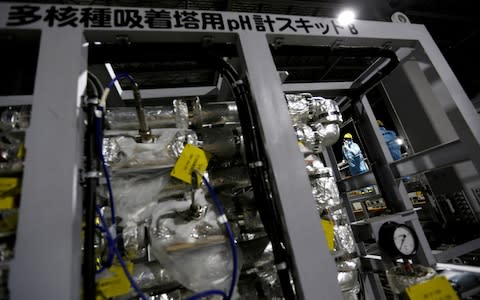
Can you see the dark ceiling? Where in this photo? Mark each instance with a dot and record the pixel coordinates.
(454, 24)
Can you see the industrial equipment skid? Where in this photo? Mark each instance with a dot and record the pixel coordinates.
(51, 210)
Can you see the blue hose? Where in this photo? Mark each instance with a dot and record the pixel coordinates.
(120, 76)
(233, 247)
(207, 293)
(110, 251)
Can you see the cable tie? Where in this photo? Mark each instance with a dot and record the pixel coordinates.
(237, 83)
(222, 219)
(255, 164)
(98, 113)
(281, 266)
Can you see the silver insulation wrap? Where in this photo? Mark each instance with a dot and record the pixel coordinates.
(152, 274)
(177, 116)
(181, 113)
(298, 107)
(125, 118)
(325, 111)
(316, 122)
(122, 151)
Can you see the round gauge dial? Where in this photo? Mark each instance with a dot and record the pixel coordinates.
(404, 240)
(398, 239)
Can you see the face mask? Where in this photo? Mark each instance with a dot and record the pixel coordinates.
(348, 142)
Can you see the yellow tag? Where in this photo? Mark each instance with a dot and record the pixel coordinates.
(115, 284)
(21, 151)
(7, 202)
(192, 158)
(8, 183)
(328, 230)
(437, 288)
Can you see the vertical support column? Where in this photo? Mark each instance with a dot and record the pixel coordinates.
(314, 270)
(47, 262)
(394, 192)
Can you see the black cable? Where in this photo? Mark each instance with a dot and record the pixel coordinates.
(90, 197)
(255, 153)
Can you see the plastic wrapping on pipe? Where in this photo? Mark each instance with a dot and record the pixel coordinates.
(136, 196)
(125, 152)
(399, 280)
(267, 273)
(134, 241)
(194, 251)
(11, 152)
(151, 275)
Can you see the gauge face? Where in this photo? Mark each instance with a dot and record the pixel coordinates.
(404, 240)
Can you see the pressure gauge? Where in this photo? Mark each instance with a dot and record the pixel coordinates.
(398, 239)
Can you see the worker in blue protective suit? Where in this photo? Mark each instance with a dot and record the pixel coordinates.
(390, 138)
(353, 155)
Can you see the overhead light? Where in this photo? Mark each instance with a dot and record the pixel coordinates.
(97, 43)
(346, 17)
(399, 141)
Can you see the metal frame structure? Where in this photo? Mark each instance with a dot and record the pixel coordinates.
(48, 251)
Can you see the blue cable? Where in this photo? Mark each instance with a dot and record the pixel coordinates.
(207, 293)
(110, 239)
(119, 256)
(110, 251)
(233, 247)
(120, 76)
